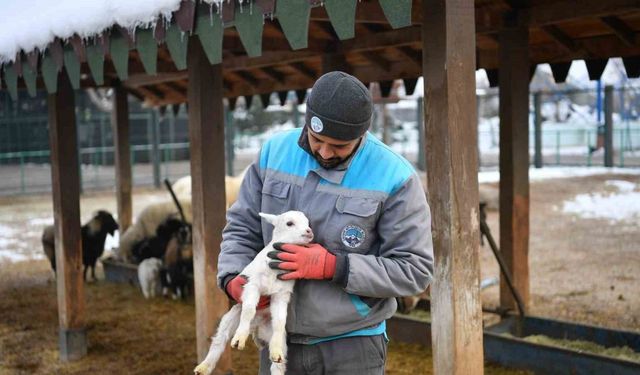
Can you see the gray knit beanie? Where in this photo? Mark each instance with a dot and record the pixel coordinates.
(339, 106)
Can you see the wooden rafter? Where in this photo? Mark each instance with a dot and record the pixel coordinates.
(621, 29)
(305, 70)
(247, 77)
(562, 38)
(273, 73)
(377, 59)
(412, 54)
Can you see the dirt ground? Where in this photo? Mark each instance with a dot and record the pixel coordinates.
(583, 270)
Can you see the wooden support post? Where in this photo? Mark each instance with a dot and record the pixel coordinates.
(537, 107)
(608, 126)
(120, 129)
(206, 136)
(65, 183)
(448, 45)
(229, 136)
(420, 121)
(514, 157)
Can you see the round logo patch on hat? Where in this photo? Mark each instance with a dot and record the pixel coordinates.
(316, 124)
(353, 236)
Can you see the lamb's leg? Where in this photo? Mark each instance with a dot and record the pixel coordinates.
(228, 324)
(279, 368)
(93, 272)
(84, 273)
(250, 297)
(277, 344)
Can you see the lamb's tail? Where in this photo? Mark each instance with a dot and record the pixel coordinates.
(228, 325)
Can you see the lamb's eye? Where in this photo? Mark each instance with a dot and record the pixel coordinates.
(289, 223)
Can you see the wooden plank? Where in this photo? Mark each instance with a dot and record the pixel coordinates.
(120, 129)
(621, 29)
(206, 136)
(65, 183)
(514, 158)
(452, 163)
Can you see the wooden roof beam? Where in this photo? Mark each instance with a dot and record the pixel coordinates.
(621, 29)
(377, 59)
(274, 74)
(412, 54)
(562, 38)
(305, 70)
(247, 77)
(489, 21)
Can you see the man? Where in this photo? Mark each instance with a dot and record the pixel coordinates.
(370, 219)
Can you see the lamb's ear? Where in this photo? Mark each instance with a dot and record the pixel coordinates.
(269, 218)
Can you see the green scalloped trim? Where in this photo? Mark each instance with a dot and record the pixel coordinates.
(249, 22)
(342, 14)
(209, 31)
(29, 77)
(147, 50)
(293, 16)
(398, 12)
(119, 51)
(177, 42)
(95, 59)
(72, 66)
(11, 80)
(49, 71)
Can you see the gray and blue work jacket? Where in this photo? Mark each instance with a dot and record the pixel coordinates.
(370, 211)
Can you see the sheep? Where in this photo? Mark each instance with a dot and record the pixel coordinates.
(155, 246)
(268, 326)
(149, 276)
(93, 235)
(146, 224)
(182, 187)
(178, 263)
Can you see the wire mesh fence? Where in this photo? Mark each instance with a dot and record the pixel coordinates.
(571, 133)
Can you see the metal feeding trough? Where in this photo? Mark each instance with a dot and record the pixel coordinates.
(120, 272)
(504, 344)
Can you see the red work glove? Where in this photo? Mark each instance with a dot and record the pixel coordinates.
(302, 261)
(235, 287)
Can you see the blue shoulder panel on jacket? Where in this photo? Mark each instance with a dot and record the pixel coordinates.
(282, 153)
(377, 167)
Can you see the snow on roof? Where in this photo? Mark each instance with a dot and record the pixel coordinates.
(29, 24)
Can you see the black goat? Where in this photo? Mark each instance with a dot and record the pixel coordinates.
(94, 234)
(156, 246)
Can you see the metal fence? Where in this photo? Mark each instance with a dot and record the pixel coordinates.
(570, 135)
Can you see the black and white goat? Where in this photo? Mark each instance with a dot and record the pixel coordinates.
(178, 264)
(94, 234)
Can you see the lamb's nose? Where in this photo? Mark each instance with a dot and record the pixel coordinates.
(309, 231)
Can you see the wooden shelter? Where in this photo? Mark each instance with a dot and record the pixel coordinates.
(213, 50)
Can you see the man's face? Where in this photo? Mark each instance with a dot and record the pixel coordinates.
(330, 152)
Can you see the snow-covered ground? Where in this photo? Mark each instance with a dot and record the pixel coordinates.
(546, 173)
(622, 205)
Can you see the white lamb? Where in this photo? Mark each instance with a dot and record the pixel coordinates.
(149, 277)
(268, 325)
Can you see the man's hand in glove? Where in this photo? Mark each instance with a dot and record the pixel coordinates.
(234, 290)
(302, 261)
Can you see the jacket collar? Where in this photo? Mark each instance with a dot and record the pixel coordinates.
(334, 175)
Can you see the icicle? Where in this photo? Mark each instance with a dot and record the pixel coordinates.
(250, 7)
(211, 14)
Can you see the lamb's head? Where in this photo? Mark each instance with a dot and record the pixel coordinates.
(290, 227)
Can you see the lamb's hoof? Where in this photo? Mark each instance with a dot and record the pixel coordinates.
(238, 341)
(276, 355)
(202, 369)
